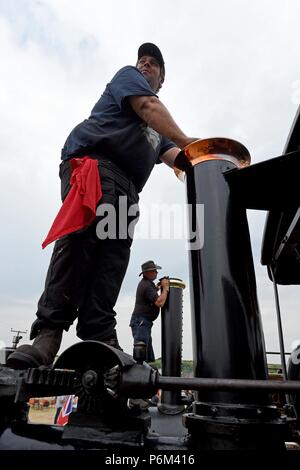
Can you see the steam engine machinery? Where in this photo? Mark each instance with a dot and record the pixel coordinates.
(231, 404)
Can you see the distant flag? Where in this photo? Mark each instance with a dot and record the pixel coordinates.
(65, 411)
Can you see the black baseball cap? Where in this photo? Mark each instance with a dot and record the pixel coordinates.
(148, 48)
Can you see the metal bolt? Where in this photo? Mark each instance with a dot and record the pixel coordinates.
(89, 379)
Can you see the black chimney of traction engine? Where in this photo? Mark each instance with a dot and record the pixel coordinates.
(227, 333)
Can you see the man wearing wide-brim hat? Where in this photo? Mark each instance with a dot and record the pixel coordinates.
(147, 305)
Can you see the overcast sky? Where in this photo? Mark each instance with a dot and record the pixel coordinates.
(232, 70)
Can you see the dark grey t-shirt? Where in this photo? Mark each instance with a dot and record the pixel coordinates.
(117, 132)
(146, 295)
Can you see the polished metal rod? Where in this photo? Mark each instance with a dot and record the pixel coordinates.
(183, 383)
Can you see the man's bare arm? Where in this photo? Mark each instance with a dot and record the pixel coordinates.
(165, 287)
(169, 156)
(156, 115)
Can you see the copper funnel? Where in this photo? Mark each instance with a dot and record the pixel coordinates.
(215, 148)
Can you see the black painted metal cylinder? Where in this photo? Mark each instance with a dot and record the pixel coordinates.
(171, 345)
(227, 333)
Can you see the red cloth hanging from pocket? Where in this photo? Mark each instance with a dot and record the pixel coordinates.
(79, 207)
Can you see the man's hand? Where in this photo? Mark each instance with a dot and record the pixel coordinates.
(165, 283)
(170, 155)
(190, 140)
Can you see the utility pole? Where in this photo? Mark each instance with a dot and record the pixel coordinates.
(17, 338)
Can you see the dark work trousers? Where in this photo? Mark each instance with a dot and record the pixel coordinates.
(141, 331)
(85, 272)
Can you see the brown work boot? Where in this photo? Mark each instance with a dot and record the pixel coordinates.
(41, 353)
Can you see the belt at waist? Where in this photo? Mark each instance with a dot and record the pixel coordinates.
(119, 175)
(109, 166)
